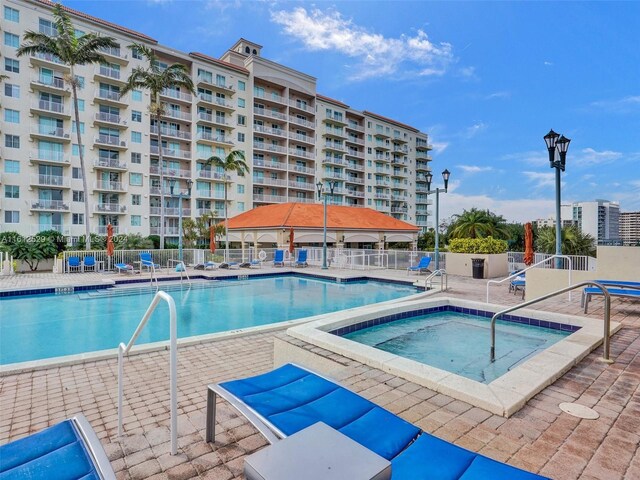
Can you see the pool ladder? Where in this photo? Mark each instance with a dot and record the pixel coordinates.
(443, 278)
(607, 316)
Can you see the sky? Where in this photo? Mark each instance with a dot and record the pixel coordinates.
(485, 80)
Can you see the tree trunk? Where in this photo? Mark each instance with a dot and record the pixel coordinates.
(226, 221)
(74, 90)
(161, 167)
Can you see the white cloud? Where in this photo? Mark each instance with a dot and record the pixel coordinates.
(473, 130)
(474, 168)
(540, 179)
(377, 54)
(439, 147)
(589, 157)
(535, 158)
(513, 210)
(620, 105)
(548, 64)
(491, 96)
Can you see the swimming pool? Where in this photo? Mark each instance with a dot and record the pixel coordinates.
(457, 342)
(46, 326)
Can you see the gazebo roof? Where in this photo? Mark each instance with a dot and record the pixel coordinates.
(311, 215)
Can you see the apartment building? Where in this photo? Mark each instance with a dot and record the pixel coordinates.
(599, 218)
(630, 228)
(292, 137)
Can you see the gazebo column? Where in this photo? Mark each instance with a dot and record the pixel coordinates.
(255, 244)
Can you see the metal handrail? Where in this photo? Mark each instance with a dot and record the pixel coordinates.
(529, 268)
(607, 315)
(438, 273)
(173, 361)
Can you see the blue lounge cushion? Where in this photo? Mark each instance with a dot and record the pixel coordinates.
(56, 453)
(267, 381)
(482, 468)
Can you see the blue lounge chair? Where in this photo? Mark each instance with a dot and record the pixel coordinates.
(517, 284)
(124, 267)
(290, 398)
(147, 262)
(69, 450)
(278, 258)
(301, 261)
(73, 264)
(629, 293)
(89, 263)
(423, 265)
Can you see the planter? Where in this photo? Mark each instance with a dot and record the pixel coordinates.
(495, 265)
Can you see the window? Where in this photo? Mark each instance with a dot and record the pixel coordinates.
(80, 81)
(11, 116)
(73, 127)
(136, 199)
(11, 191)
(11, 166)
(136, 137)
(78, 196)
(241, 85)
(75, 151)
(240, 137)
(76, 173)
(136, 95)
(11, 90)
(11, 14)
(135, 179)
(80, 105)
(136, 116)
(77, 219)
(11, 216)
(242, 120)
(240, 188)
(241, 102)
(12, 141)
(11, 65)
(136, 220)
(240, 206)
(137, 54)
(11, 40)
(136, 157)
(221, 80)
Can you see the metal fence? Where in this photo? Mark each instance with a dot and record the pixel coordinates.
(578, 262)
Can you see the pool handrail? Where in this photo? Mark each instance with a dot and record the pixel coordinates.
(437, 273)
(607, 315)
(173, 361)
(520, 272)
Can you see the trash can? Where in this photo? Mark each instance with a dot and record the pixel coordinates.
(478, 267)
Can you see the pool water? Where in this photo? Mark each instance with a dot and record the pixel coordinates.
(45, 326)
(459, 343)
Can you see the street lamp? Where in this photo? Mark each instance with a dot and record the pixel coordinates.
(323, 191)
(171, 185)
(428, 178)
(557, 146)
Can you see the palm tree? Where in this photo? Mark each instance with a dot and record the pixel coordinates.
(73, 51)
(573, 241)
(156, 79)
(476, 223)
(234, 161)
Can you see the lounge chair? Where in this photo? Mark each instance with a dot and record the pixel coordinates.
(73, 264)
(278, 258)
(69, 450)
(88, 263)
(301, 261)
(517, 284)
(210, 265)
(423, 265)
(147, 262)
(290, 398)
(124, 267)
(632, 293)
(229, 265)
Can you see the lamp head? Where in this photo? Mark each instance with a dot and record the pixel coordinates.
(428, 177)
(172, 184)
(189, 185)
(445, 177)
(550, 139)
(562, 146)
(332, 185)
(319, 187)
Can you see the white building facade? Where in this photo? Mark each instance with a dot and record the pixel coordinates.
(599, 218)
(292, 138)
(630, 228)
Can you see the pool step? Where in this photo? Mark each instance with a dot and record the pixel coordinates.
(141, 290)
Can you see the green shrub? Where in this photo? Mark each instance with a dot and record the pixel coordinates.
(33, 249)
(477, 245)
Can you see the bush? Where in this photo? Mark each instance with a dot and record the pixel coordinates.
(477, 245)
(156, 241)
(9, 238)
(33, 249)
(59, 240)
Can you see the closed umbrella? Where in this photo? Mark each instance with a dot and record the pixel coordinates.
(291, 236)
(110, 247)
(212, 239)
(528, 244)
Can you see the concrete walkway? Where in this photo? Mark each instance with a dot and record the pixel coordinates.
(539, 438)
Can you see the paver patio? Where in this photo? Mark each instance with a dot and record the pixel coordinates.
(539, 438)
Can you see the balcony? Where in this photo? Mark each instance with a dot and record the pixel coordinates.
(302, 122)
(178, 114)
(115, 208)
(171, 132)
(215, 101)
(273, 97)
(301, 106)
(50, 181)
(108, 186)
(170, 172)
(381, 146)
(399, 161)
(355, 140)
(354, 193)
(335, 175)
(116, 54)
(214, 119)
(261, 163)
(381, 158)
(54, 109)
(293, 199)
(263, 112)
(168, 152)
(214, 138)
(208, 80)
(423, 156)
(355, 153)
(357, 180)
(302, 138)
(170, 211)
(422, 167)
(276, 182)
(276, 132)
(110, 120)
(49, 60)
(382, 183)
(383, 196)
(302, 153)
(111, 97)
(209, 194)
(335, 132)
(50, 205)
(62, 229)
(397, 197)
(50, 133)
(55, 85)
(303, 185)
(260, 198)
(355, 127)
(381, 133)
(336, 118)
(420, 189)
(420, 211)
(155, 190)
(269, 147)
(110, 141)
(209, 175)
(333, 160)
(167, 231)
(102, 230)
(400, 149)
(175, 95)
(102, 71)
(109, 164)
(49, 157)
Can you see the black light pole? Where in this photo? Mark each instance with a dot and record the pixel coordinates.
(445, 177)
(322, 191)
(189, 185)
(557, 147)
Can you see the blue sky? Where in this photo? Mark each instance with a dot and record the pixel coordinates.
(486, 81)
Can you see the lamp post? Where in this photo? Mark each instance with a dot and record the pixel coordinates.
(323, 191)
(172, 184)
(445, 177)
(557, 146)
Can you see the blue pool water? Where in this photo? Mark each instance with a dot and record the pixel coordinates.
(459, 343)
(45, 326)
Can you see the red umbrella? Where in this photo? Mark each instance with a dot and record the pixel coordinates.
(528, 244)
(212, 239)
(291, 247)
(110, 247)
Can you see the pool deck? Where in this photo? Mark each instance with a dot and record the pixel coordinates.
(539, 438)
